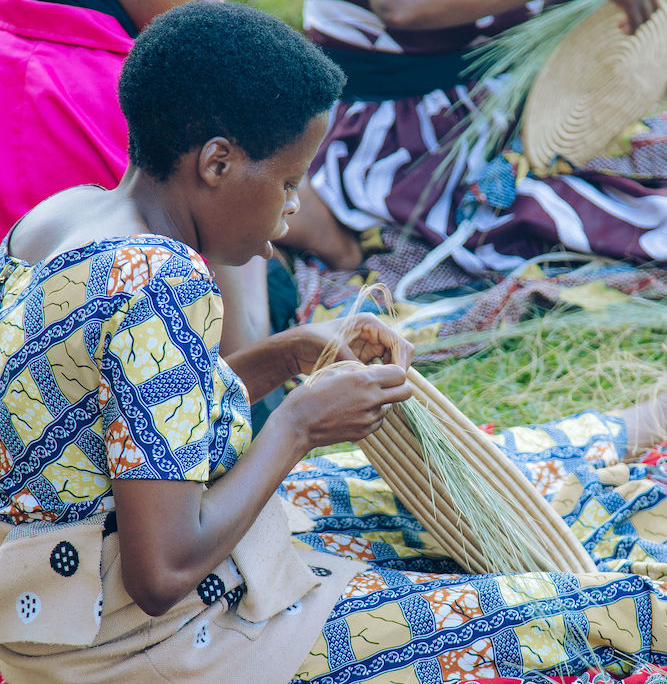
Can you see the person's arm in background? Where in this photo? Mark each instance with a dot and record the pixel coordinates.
(246, 303)
(636, 13)
(431, 14)
(142, 12)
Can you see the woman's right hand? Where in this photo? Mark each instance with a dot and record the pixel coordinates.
(345, 403)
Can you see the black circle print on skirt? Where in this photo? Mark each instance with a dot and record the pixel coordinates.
(210, 589)
(64, 559)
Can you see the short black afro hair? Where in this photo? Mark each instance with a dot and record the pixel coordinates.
(208, 69)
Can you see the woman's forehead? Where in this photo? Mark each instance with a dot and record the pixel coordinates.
(303, 149)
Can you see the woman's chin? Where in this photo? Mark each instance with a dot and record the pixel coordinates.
(267, 250)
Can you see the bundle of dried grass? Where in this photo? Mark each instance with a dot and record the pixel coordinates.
(473, 500)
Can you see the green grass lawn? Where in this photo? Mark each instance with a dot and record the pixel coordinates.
(287, 10)
(559, 364)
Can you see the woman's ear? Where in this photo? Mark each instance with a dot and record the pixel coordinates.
(215, 158)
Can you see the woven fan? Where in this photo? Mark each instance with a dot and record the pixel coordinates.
(397, 456)
(597, 82)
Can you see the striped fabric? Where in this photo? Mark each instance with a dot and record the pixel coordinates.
(377, 163)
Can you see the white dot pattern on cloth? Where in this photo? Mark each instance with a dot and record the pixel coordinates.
(28, 606)
(294, 609)
(98, 609)
(202, 637)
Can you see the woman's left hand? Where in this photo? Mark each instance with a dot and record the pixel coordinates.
(367, 338)
(636, 13)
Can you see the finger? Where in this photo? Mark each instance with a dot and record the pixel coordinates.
(397, 349)
(384, 410)
(345, 353)
(624, 25)
(379, 413)
(375, 426)
(376, 330)
(387, 375)
(650, 7)
(632, 15)
(397, 393)
(403, 354)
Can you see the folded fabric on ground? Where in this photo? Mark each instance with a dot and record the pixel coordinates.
(415, 617)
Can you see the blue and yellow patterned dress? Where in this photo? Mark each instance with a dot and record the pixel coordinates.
(110, 369)
(415, 617)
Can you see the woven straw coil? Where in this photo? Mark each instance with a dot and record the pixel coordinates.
(596, 83)
(396, 455)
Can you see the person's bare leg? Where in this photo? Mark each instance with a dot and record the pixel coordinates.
(646, 423)
(315, 230)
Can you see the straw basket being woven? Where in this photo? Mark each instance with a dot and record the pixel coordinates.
(597, 82)
(397, 456)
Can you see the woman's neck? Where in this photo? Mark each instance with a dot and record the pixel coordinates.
(161, 206)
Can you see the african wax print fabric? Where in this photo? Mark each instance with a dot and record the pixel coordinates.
(383, 163)
(109, 368)
(415, 617)
(447, 302)
(639, 152)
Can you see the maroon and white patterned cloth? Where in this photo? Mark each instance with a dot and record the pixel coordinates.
(379, 156)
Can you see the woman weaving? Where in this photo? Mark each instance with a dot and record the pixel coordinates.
(116, 407)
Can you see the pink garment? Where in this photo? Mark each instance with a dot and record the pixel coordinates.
(59, 113)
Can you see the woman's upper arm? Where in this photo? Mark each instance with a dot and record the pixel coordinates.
(158, 533)
(157, 400)
(156, 381)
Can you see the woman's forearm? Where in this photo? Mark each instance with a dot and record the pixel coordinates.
(173, 533)
(266, 364)
(431, 14)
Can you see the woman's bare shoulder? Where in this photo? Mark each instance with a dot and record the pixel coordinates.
(68, 220)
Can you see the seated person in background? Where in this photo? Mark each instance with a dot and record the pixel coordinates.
(395, 122)
(140, 538)
(59, 69)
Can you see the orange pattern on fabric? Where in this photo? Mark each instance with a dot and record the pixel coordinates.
(350, 547)
(122, 451)
(311, 497)
(133, 268)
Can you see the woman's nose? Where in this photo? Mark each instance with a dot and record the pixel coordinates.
(292, 205)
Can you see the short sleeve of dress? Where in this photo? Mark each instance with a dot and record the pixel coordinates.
(164, 403)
